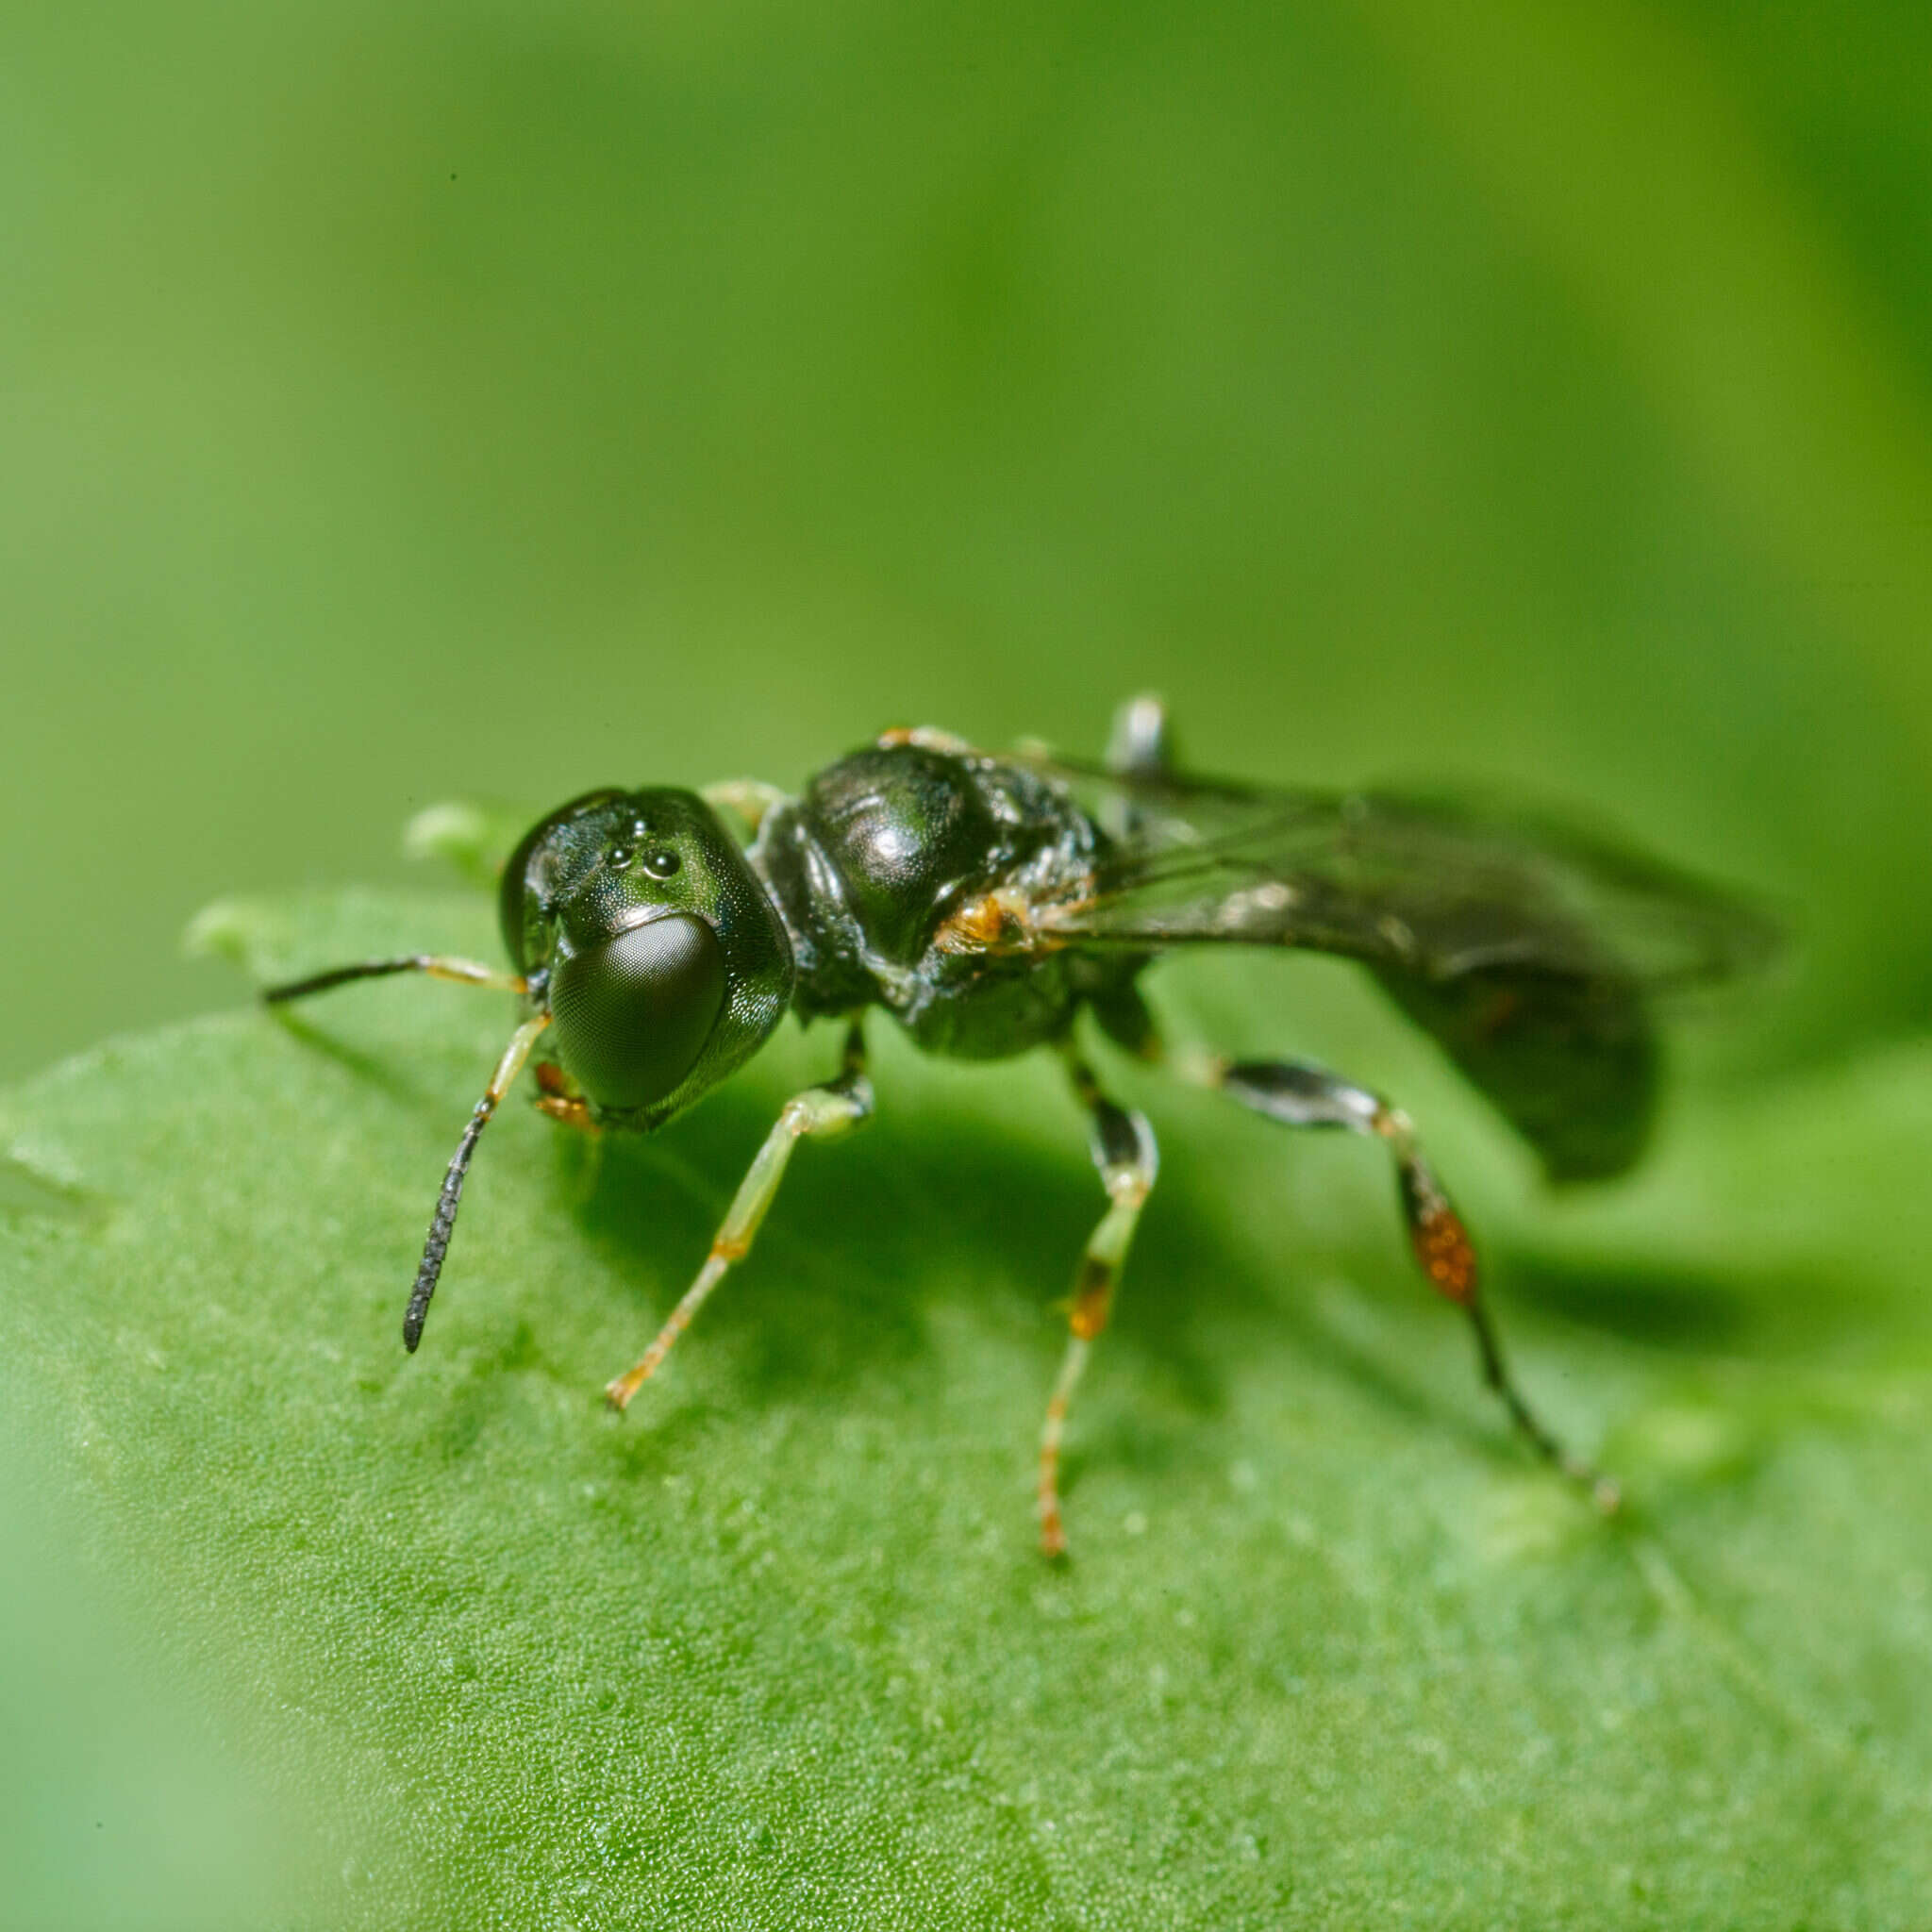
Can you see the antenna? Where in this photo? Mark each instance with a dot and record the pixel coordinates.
(442, 1222)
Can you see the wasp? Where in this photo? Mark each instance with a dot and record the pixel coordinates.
(996, 903)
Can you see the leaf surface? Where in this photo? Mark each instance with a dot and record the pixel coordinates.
(777, 1651)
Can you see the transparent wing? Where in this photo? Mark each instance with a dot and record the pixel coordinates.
(1529, 949)
(1428, 886)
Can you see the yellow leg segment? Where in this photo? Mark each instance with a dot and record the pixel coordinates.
(821, 1111)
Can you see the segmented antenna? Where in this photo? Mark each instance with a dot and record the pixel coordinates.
(340, 975)
(442, 1222)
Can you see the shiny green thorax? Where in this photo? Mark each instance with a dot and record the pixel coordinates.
(645, 935)
(883, 849)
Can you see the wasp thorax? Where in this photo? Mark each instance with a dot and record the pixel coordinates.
(631, 1014)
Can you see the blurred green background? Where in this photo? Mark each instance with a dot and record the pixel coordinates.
(411, 400)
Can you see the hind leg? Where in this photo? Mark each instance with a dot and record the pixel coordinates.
(1124, 1152)
(1296, 1094)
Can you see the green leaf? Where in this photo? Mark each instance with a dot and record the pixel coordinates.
(777, 1650)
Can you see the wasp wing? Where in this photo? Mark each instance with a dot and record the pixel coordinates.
(1529, 949)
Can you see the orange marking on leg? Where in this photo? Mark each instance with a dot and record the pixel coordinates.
(1092, 1300)
(1053, 1533)
(1446, 1253)
(619, 1393)
(724, 1250)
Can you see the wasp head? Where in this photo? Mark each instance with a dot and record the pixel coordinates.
(645, 935)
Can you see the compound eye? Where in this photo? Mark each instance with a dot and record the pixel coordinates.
(630, 1017)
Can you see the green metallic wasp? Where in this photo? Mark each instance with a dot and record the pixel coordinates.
(988, 902)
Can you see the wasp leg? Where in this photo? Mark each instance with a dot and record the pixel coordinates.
(1138, 748)
(834, 1109)
(560, 1100)
(927, 736)
(1140, 745)
(437, 966)
(1124, 1152)
(1299, 1095)
(747, 800)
